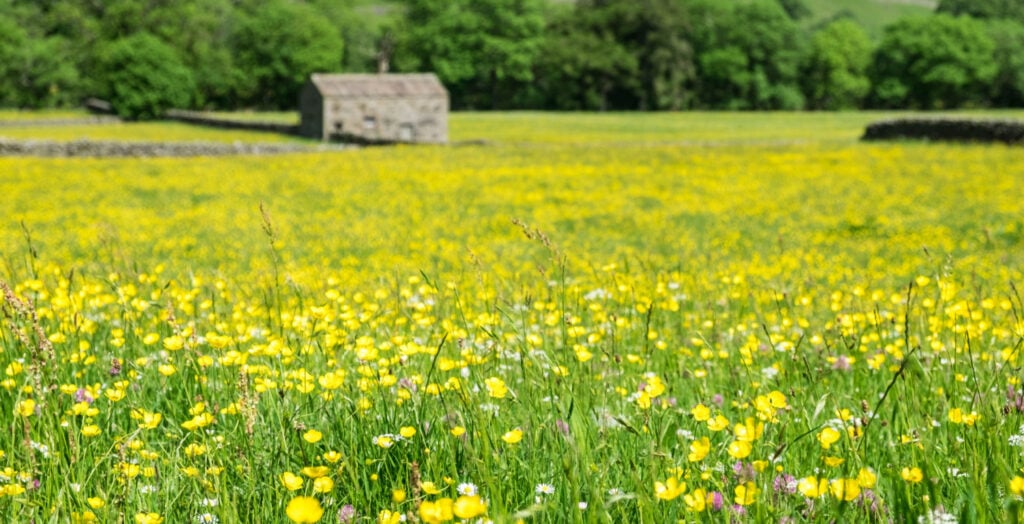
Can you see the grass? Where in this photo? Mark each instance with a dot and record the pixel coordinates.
(141, 131)
(555, 322)
(874, 15)
(9, 115)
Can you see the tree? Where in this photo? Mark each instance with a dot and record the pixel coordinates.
(32, 71)
(276, 45)
(1008, 83)
(933, 62)
(835, 74)
(365, 28)
(482, 50)
(748, 55)
(200, 31)
(619, 54)
(580, 65)
(142, 77)
(657, 33)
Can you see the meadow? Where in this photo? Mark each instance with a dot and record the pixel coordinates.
(685, 317)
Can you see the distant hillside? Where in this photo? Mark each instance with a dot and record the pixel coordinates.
(872, 14)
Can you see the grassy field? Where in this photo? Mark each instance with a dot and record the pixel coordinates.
(138, 131)
(874, 15)
(589, 318)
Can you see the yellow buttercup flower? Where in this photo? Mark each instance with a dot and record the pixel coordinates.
(314, 472)
(739, 449)
(323, 485)
(469, 506)
(513, 436)
(496, 387)
(291, 481)
(866, 478)
(699, 449)
(844, 489)
(25, 408)
(812, 487)
(717, 423)
(696, 501)
(304, 510)
(828, 436)
(1017, 486)
(912, 475)
(387, 516)
(436, 512)
(148, 518)
(745, 494)
(670, 489)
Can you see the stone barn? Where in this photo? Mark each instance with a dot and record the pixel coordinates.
(375, 108)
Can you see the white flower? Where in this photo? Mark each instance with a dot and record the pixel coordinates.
(43, 449)
(466, 488)
(544, 489)
(582, 505)
(937, 516)
(207, 518)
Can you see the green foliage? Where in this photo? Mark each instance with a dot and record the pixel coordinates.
(933, 62)
(199, 30)
(144, 77)
(482, 50)
(580, 68)
(749, 55)
(836, 69)
(1008, 84)
(277, 45)
(367, 27)
(33, 71)
(619, 54)
(520, 54)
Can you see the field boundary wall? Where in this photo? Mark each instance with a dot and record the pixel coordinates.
(947, 130)
(199, 118)
(107, 148)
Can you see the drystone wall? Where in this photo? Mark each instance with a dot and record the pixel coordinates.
(200, 118)
(100, 148)
(947, 129)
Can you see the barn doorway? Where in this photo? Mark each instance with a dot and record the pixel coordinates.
(406, 133)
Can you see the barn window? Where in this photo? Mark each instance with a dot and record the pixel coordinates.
(369, 122)
(337, 127)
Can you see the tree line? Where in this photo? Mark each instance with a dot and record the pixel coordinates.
(148, 55)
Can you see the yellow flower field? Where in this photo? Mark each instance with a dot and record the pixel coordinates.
(667, 317)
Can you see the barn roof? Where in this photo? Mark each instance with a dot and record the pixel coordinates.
(378, 85)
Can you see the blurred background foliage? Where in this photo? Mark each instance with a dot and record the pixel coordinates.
(149, 55)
